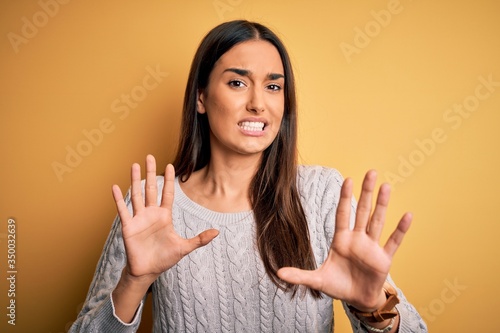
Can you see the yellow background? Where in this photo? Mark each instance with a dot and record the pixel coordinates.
(366, 108)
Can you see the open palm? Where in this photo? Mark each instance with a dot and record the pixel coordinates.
(357, 266)
(151, 243)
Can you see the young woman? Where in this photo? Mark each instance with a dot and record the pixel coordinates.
(242, 239)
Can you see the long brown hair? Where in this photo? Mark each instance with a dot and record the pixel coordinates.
(282, 231)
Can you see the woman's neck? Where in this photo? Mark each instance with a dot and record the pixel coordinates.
(223, 185)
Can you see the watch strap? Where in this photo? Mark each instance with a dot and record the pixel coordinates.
(387, 311)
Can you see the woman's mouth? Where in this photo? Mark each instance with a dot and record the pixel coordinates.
(252, 126)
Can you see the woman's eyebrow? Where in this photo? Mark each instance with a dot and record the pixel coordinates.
(246, 72)
(239, 71)
(275, 76)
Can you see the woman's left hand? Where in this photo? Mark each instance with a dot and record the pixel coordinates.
(357, 266)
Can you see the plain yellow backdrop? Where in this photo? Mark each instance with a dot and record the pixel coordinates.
(410, 88)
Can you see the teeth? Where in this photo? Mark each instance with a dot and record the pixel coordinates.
(252, 125)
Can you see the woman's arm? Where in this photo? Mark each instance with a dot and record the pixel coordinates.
(357, 266)
(148, 246)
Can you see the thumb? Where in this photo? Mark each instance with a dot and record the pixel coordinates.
(299, 276)
(200, 240)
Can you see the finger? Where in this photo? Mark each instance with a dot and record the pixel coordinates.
(378, 217)
(136, 190)
(301, 277)
(344, 208)
(397, 236)
(167, 199)
(151, 189)
(200, 240)
(121, 206)
(365, 201)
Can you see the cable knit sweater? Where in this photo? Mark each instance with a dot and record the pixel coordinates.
(223, 287)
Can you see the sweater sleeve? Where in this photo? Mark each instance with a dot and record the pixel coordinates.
(98, 314)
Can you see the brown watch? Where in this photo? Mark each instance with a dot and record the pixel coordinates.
(387, 311)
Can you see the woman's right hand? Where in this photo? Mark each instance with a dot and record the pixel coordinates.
(151, 243)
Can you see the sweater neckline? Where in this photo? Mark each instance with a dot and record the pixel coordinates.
(206, 214)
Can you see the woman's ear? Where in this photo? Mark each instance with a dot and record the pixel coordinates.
(200, 102)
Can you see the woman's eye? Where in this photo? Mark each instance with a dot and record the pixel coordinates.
(236, 83)
(274, 87)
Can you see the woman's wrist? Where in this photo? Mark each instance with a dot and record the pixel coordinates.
(137, 282)
(382, 298)
(384, 317)
(128, 294)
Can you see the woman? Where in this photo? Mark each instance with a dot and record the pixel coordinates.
(245, 244)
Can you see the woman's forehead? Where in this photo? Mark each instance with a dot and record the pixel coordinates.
(258, 57)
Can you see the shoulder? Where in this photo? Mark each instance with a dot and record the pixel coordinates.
(319, 190)
(316, 175)
(319, 185)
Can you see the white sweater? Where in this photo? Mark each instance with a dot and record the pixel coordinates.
(223, 287)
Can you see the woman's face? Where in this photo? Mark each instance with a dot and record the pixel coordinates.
(244, 100)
